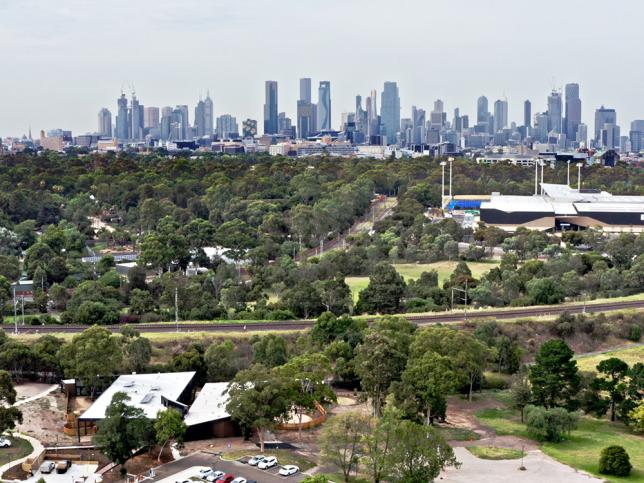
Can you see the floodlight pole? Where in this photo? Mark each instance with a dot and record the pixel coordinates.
(579, 177)
(451, 160)
(542, 177)
(568, 177)
(536, 176)
(443, 163)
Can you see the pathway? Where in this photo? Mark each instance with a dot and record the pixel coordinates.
(38, 448)
(37, 396)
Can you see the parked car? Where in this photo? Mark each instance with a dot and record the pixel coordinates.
(205, 473)
(214, 476)
(267, 463)
(288, 470)
(62, 466)
(227, 478)
(4, 442)
(184, 481)
(47, 467)
(239, 479)
(255, 459)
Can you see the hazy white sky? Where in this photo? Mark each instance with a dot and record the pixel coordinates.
(62, 60)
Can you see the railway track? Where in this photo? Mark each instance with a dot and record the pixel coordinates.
(285, 325)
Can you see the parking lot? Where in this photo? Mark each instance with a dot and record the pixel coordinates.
(188, 467)
(75, 472)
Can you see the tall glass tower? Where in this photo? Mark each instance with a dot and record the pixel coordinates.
(324, 106)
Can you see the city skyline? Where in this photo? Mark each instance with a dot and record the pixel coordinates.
(42, 95)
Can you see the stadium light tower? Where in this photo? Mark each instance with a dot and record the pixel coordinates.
(451, 160)
(443, 163)
(579, 165)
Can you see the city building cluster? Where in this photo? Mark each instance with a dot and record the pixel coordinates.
(373, 128)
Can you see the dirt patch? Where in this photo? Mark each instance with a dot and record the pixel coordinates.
(139, 464)
(44, 419)
(29, 389)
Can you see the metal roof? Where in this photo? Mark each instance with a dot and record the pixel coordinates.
(209, 405)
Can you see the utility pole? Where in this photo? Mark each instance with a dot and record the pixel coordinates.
(15, 311)
(536, 177)
(176, 308)
(22, 300)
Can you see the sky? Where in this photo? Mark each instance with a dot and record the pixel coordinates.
(61, 61)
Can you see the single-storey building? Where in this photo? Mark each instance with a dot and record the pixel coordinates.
(208, 417)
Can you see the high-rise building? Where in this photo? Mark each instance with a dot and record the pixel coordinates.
(151, 118)
(482, 110)
(390, 111)
(457, 123)
(166, 120)
(554, 112)
(249, 128)
(500, 115)
(285, 125)
(200, 119)
(122, 130)
(603, 116)
(208, 115)
(105, 123)
(636, 135)
(136, 119)
(541, 127)
(227, 127)
(573, 110)
(438, 116)
(270, 107)
(527, 113)
(305, 89)
(324, 106)
(418, 122)
(610, 136)
(582, 134)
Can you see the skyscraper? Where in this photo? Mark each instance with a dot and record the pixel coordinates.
(166, 121)
(122, 130)
(227, 127)
(527, 113)
(184, 121)
(105, 123)
(305, 126)
(500, 115)
(554, 112)
(390, 110)
(249, 128)
(151, 118)
(136, 119)
(482, 110)
(200, 119)
(324, 106)
(270, 108)
(208, 115)
(305, 89)
(573, 111)
(603, 115)
(418, 122)
(636, 135)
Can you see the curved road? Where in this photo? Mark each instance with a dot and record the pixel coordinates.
(443, 318)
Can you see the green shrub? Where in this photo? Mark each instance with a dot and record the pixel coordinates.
(634, 333)
(614, 460)
(495, 381)
(549, 424)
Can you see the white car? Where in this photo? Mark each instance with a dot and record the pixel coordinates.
(205, 472)
(267, 463)
(255, 459)
(4, 443)
(215, 475)
(239, 479)
(288, 470)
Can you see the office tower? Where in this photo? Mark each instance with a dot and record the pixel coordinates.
(457, 124)
(151, 118)
(185, 121)
(122, 130)
(136, 119)
(324, 106)
(227, 127)
(270, 107)
(636, 135)
(200, 119)
(437, 117)
(305, 126)
(249, 128)
(465, 121)
(500, 115)
(418, 120)
(573, 110)
(610, 136)
(166, 120)
(582, 134)
(527, 113)
(554, 112)
(208, 115)
(603, 116)
(285, 125)
(482, 112)
(305, 89)
(541, 127)
(390, 111)
(105, 123)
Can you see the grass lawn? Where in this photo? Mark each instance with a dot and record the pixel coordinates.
(284, 457)
(339, 478)
(412, 271)
(630, 355)
(495, 453)
(19, 449)
(451, 433)
(582, 448)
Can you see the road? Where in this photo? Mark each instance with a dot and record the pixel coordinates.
(279, 325)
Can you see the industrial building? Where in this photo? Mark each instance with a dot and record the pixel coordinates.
(560, 207)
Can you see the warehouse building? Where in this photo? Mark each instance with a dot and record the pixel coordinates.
(560, 207)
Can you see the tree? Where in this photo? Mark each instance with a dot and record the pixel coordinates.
(270, 350)
(545, 291)
(123, 430)
(9, 414)
(257, 399)
(335, 295)
(342, 441)
(378, 445)
(614, 460)
(611, 381)
(303, 300)
(636, 417)
(554, 376)
(93, 357)
(220, 361)
(58, 295)
(549, 424)
(141, 302)
(9, 267)
(137, 352)
(419, 453)
(520, 393)
(168, 426)
(384, 293)
(317, 478)
(5, 294)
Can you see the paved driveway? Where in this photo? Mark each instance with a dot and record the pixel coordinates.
(540, 468)
(188, 467)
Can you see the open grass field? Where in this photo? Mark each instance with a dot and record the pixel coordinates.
(495, 453)
(629, 355)
(582, 448)
(412, 271)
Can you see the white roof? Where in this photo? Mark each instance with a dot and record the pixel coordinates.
(610, 207)
(513, 203)
(145, 391)
(209, 405)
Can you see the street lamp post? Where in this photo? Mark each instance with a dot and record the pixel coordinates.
(443, 163)
(579, 165)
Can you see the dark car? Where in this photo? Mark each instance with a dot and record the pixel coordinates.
(62, 466)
